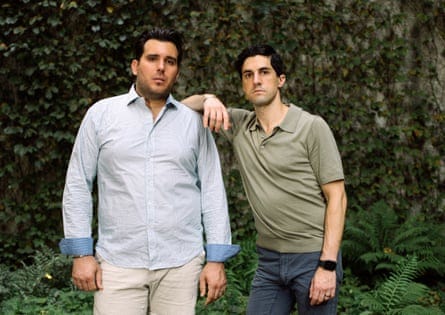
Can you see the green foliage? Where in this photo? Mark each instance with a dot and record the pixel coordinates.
(38, 278)
(376, 240)
(42, 287)
(350, 295)
(372, 69)
(58, 302)
(399, 294)
(239, 271)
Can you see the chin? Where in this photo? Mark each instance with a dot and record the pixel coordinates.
(260, 103)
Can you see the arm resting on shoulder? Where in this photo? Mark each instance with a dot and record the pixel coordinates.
(214, 113)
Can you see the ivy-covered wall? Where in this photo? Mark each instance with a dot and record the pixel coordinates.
(373, 69)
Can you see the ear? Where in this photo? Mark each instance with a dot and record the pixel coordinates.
(177, 76)
(281, 80)
(134, 67)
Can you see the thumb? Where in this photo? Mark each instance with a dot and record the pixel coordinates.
(99, 278)
(202, 286)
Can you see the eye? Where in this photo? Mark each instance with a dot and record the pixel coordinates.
(247, 75)
(171, 62)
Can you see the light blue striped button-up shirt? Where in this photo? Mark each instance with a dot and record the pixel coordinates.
(159, 187)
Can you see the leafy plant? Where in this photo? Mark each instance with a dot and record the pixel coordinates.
(376, 240)
(399, 294)
(239, 271)
(370, 68)
(56, 303)
(48, 271)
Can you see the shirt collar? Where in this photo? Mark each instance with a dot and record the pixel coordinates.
(289, 123)
(133, 96)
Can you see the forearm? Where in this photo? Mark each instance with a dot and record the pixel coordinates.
(334, 224)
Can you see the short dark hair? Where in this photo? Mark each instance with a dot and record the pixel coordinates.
(161, 34)
(263, 50)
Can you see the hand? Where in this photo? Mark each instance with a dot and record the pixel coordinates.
(87, 274)
(322, 286)
(215, 114)
(212, 281)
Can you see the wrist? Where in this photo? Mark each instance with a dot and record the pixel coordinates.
(80, 256)
(329, 265)
(207, 96)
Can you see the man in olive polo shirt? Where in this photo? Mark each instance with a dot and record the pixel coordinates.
(293, 178)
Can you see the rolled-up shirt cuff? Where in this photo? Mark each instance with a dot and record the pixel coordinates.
(221, 252)
(77, 246)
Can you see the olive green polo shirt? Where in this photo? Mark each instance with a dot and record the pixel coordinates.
(282, 174)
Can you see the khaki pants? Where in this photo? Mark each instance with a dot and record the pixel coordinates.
(140, 291)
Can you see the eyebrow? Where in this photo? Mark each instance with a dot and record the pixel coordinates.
(157, 55)
(260, 69)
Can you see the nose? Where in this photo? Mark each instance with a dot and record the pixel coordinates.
(161, 65)
(256, 78)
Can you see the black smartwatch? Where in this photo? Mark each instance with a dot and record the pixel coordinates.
(327, 264)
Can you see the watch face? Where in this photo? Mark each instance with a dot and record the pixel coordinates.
(328, 264)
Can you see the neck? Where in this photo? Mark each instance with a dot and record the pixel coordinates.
(155, 106)
(154, 102)
(271, 115)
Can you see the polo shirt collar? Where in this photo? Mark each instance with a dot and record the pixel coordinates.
(289, 123)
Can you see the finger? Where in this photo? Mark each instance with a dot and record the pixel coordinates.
(77, 284)
(99, 279)
(202, 287)
(212, 120)
(226, 120)
(90, 285)
(205, 118)
(82, 285)
(212, 295)
(317, 298)
(218, 121)
(209, 300)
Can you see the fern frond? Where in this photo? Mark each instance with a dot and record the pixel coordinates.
(399, 294)
(417, 310)
(399, 289)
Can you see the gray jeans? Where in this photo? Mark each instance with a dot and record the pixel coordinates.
(283, 280)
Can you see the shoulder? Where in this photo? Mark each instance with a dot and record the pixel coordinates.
(304, 117)
(240, 112)
(107, 109)
(108, 103)
(187, 113)
(240, 116)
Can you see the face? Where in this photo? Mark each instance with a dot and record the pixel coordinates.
(260, 81)
(157, 69)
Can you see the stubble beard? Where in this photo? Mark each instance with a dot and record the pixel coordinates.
(150, 94)
(263, 101)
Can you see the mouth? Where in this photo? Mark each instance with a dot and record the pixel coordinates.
(159, 80)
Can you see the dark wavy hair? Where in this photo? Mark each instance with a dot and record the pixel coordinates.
(161, 34)
(263, 50)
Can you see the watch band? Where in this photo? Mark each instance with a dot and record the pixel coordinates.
(327, 264)
(80, 256)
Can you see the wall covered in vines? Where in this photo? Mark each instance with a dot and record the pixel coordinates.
(375, 70)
